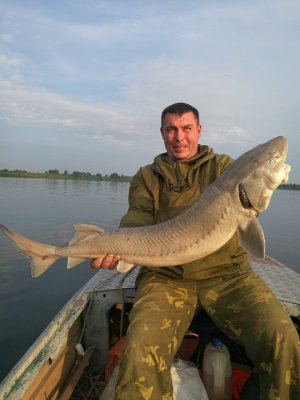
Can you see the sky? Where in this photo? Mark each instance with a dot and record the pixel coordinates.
(83, 83)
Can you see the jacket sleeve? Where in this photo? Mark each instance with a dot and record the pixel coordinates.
(141, 204)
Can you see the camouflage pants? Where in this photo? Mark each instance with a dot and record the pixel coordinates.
(242, 306)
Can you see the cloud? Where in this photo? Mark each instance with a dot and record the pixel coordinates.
(6, 38)
(35, 107)
(6, 62)
(137, 115)
(116, 65)
(148, 89)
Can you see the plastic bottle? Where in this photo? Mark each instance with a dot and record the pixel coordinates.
(216, 371)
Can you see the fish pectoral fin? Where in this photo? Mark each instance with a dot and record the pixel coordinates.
(252, 238)
(73, 261)
(124, 266)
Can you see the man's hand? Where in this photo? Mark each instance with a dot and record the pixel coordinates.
(109, 261)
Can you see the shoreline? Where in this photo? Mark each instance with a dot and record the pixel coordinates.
(73, 177)
(86, 176)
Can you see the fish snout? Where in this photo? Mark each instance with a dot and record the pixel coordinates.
(286, 170)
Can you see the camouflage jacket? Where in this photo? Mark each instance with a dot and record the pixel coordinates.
(165, 188)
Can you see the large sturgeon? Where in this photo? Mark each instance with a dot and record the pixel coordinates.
(229, 204)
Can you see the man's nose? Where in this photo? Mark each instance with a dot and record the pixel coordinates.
(179, 134)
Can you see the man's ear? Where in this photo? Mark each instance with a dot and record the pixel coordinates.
(199, 131)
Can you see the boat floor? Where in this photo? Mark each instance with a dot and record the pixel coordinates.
(90, 385)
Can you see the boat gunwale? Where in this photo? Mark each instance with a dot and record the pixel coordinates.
(47, 346)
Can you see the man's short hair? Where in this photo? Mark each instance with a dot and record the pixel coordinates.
(179, 109)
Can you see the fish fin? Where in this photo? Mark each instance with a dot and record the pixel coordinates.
(40, 264)
(82, 231)
(41, 255)
(252, 237)
(88, 228)
(124, 266)
(73, 261)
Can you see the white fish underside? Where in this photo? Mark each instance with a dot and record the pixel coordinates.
(197, 232)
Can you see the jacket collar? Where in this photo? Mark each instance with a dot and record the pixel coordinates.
(177, 174)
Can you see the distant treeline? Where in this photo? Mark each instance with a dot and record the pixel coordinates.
(55, 174)
(290, 186)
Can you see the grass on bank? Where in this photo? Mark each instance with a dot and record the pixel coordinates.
(55, 174)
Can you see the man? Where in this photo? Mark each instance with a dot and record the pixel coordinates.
(223, 283)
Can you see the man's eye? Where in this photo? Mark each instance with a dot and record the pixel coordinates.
(170, 130)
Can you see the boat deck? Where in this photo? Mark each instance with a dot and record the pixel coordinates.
(283, 281)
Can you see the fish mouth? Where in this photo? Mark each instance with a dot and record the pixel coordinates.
(286, 170)
(246, 203)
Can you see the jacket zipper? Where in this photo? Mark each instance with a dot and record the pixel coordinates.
(175, 167)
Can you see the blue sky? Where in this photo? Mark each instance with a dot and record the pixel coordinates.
(83, 83)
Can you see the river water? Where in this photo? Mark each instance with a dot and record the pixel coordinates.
(45, 210)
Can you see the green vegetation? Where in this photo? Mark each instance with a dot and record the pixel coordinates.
(55, 174)
(289, 186)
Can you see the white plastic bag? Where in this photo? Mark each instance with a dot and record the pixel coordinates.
(109, 391)
(187, 384)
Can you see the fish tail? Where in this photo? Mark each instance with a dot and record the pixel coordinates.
(41, 255)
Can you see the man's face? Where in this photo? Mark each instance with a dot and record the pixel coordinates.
(181, 135)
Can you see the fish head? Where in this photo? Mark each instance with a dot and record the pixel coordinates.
(267, 170)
